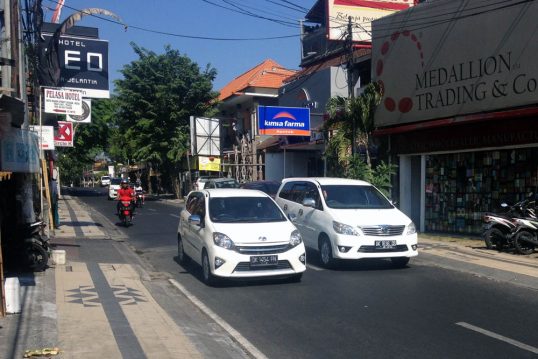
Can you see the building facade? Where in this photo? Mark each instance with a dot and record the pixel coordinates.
(459, 108)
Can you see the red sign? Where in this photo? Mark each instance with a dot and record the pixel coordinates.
(64, 136)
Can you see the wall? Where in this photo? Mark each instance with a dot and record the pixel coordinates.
(296, 165)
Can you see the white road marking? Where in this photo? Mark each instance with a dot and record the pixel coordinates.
(499, 337)
(248, 346)
(174, 215)
(152, 209)
(314, 267)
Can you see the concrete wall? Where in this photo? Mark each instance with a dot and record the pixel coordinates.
(296, 165)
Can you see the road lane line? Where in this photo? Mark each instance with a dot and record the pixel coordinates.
(314, 267)
(174, 215)
(499, 337)
(152, 209)
(234, 334)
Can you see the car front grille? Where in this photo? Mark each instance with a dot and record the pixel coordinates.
(383, 231)
(245, 266)
(271, 249)
(374, 249)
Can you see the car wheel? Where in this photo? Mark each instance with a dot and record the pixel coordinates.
(400, 262)
(493, 238)
(326, 253)
(522, 245)
(182, 257)
(207, 276)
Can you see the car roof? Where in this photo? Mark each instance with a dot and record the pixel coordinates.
(327, 181)
(262, 182)
(233, 192)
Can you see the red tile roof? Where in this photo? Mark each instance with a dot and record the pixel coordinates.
(268, 74)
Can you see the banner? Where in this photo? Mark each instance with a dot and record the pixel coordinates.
(209, 164)
(19, 151)
(284, 121)
(47, 136)
(63, 101)
(65, 134)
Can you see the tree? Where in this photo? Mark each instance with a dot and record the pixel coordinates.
(343, 112)
(156, 97)
(90, 140)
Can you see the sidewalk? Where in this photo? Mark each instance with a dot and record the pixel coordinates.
(94, 306)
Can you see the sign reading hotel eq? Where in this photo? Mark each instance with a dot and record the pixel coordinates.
(63, 101)
(284, 121)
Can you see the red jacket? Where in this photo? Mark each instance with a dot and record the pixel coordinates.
(126, 194)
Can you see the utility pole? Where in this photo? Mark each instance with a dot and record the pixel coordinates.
(350, 93)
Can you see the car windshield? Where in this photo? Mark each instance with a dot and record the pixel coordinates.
(105, 178)
(244, 209)
(227, 184)
(115, 181)
(354, 197)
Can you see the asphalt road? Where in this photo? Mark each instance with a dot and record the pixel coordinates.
(360, 310)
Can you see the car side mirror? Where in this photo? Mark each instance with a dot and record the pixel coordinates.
(195, 219)
(309, 202)
(292, 217)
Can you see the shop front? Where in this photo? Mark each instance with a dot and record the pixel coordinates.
(459, 109)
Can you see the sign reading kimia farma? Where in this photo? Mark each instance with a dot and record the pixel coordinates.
(284, 121)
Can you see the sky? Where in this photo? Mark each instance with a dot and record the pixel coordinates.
(197, 18)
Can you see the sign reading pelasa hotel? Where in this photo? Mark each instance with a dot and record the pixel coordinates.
(455, 57)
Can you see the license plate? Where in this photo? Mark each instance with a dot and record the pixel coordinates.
(385, 244)
(262, 261)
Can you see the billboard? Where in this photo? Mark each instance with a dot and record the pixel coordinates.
(65, 134)
(284, 121)
(63, 101)
(362, 13)
(86, 116)
(205, 136)
(83, 64)
(47, 136)
(466, 62)
(209, 164)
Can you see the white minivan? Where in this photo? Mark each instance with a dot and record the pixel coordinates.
(347, 219)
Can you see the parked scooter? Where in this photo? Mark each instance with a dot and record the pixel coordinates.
(28, 247)
(500, 229)
(526, 235)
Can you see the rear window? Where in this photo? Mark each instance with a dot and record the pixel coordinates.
(105, 178)
(227, 184)
(115, 181)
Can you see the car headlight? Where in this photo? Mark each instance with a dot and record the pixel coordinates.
(411, 229)
(295, 238)
(222, 240)
(344, 229)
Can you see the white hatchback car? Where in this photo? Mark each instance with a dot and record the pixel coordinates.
(347, 219)
(113, 187)
(238, 233)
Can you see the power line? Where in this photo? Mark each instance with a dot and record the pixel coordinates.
(181, 35)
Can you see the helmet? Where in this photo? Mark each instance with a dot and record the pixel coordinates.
(124, 181)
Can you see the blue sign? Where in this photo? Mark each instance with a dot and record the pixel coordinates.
(284, 121)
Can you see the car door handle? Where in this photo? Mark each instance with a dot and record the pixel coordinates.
(301, 212)
(285, 207)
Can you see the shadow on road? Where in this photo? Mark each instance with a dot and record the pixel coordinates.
(374, 264)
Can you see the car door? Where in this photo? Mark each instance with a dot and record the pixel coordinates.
(185, 226)
(312, 217)
(198, 231)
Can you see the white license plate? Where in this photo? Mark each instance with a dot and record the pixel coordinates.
(385, 244)
(262, 261)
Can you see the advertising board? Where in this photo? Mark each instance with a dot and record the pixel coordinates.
(284, 121)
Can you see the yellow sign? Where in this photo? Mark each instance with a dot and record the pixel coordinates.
(209, 164)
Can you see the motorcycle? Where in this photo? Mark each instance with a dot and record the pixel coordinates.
(27, 246)
(500, 229)
(126, 213)
(139, 198)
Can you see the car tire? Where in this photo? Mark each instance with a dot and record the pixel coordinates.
(182, 257)
(399, 262)
(208, 277)
(326, 253)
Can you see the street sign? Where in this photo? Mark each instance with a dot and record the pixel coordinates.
(65, 135)
(284, 121)
(86, 116)
(209, 164)
(47, 136)
(63, 101)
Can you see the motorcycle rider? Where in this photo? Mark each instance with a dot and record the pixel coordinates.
(125, 193)
(139, 190)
